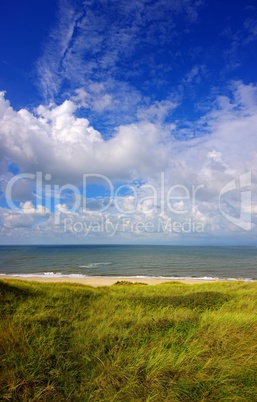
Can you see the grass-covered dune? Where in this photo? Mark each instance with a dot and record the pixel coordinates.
(169, 342)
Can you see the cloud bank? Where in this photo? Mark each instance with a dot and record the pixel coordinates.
(144, 158)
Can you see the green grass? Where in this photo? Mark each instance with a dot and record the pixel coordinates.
(170, 342)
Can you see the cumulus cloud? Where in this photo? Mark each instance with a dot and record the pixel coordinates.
(29, 209)
(55, 141)
(25, 217)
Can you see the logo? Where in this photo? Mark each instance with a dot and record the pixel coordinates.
(241, 184)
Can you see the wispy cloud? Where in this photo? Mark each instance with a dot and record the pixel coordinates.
(251, 27)
(111, 44)
(50, 66)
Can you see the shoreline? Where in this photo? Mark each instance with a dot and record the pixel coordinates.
(97, 281)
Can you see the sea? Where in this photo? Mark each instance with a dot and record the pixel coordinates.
(120, 261)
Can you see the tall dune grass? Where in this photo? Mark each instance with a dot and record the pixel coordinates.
(170, 342)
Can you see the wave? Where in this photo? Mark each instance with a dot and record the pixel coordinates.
(46, 275)
(125, 277)
(94, 264)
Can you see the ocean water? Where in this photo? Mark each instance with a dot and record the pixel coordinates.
(171, 262)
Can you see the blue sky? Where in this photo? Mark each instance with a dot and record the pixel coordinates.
(151, 98)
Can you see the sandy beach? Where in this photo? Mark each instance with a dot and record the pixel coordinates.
(100, 281)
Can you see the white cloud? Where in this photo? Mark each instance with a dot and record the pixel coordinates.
(97, 100)
(14, 221)
(55, 141)
(251, 27)
(29, 209)
(194, 75)
(158, 111)
(53, 59)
